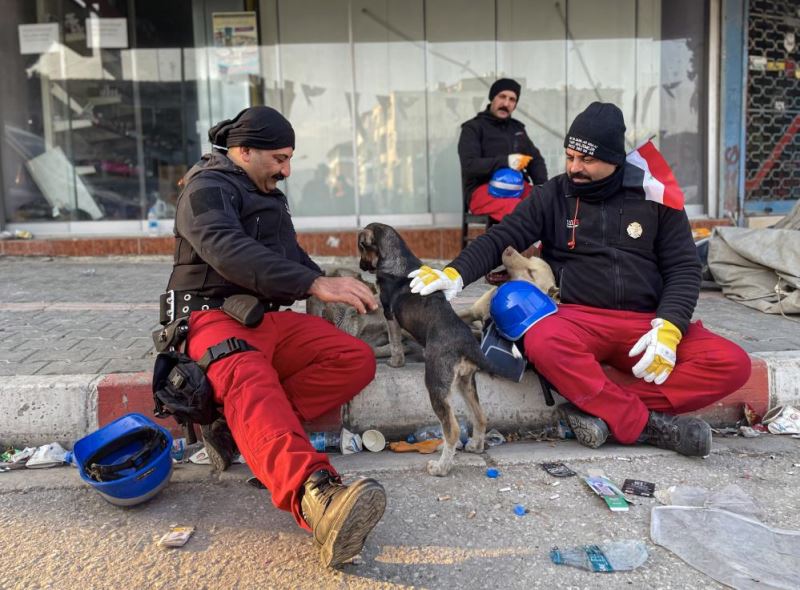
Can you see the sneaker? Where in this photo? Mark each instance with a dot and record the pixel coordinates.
(590, 430)
(341, 516)
(684, 434)
(220, 446)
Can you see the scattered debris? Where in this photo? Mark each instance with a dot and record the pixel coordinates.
(176, 537)
(606, 489)
(613, 556)
(425, 447)
(520, 510)
(507, 489)
(492, 473)
(51, 455)
(471, 514)
(555, 496)
(638, 487)
(494, 438)
(373, 440)
(783, 420)
(558, 469)
(443, 498)
(749, 432)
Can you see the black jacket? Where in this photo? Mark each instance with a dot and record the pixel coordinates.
(231, 238)
(484, 147)
(608, 268)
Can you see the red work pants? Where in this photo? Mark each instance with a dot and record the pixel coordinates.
(302, 368)
(569, 346)
(482, 203)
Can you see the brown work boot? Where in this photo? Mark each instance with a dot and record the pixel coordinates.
(589, 430)
(686, 435)
(220, 446)
(341, 516)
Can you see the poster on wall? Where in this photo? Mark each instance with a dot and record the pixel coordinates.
(107, 33)
(235, 43)
(38, 38)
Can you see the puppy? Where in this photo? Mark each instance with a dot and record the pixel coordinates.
(533, 270)
(452, 355)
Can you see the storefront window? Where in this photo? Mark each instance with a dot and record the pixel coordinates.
(108, 103)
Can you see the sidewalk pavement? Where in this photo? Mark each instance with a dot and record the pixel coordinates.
(77, 353)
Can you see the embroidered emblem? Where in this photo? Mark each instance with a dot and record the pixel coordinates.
(635, 230)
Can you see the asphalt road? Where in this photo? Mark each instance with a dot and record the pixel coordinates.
(454, 532)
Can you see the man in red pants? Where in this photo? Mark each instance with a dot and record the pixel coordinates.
(629, 278)
(234, 236)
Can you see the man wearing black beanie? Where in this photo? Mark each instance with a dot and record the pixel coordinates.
(493, 141)
(237, 261)
(629, 278)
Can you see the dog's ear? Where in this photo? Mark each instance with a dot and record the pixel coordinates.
(366, 239)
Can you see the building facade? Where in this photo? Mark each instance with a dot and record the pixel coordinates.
(105, 104)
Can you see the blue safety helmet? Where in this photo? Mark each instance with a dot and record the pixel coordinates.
(128, 461)
(506, 183)
(518, 305)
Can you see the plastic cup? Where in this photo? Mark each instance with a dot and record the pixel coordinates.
(373, 440)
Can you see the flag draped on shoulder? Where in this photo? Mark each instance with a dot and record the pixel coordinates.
(647, 169)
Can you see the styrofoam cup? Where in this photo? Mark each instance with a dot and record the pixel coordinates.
(373, 440)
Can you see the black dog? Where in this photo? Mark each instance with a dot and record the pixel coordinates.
(452, 355)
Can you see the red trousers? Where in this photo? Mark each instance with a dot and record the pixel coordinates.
(303, 368)
(482, 203)
(569, 346)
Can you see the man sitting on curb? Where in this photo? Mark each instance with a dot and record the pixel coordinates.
(629, 278)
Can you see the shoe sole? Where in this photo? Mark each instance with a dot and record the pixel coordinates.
(586, 429)
(359, 514)
(217, 457)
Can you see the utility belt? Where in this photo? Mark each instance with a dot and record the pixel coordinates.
(181, 388)
(174, 305)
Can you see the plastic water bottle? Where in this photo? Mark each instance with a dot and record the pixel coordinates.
(152, 221)
(435, 431)
(325, 440)
(612, 556)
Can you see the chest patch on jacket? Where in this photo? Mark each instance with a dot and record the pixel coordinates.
(206, 199)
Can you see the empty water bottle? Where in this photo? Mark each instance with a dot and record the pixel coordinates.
(612, 556)
(435, 431)
(152, 221)
(325, 440)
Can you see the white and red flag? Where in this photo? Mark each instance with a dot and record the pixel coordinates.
(649, 170)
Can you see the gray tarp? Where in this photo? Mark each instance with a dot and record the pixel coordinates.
(758, 267)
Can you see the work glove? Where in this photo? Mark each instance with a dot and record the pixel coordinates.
(659, 346)
(519, 161)
(426, 280)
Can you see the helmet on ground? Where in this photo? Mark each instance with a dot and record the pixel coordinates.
(506, 183)
(128, 461)
(518, 305)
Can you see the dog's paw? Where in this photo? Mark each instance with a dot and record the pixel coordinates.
(396, 362)
(437, 469)
(474, 446)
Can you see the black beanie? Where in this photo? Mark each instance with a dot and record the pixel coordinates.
(256, 127)
(599, 131)
(504, 84)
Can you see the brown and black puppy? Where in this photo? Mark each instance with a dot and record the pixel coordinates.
(452, 355)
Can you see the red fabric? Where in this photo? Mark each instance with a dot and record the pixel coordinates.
(303, 368)
(569, 346)
(482, 203)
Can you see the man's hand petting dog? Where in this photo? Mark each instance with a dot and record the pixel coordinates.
(344, 290)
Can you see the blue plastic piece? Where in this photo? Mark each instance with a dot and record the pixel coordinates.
(492, 473)
(520, 510)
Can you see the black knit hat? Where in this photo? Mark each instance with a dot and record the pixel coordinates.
(256, 127)
(599, 131)
(504, 84)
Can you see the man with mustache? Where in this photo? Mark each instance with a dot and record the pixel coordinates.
(234, 237)
(629, 278)
(493, 140)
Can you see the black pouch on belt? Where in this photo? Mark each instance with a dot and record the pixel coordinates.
(245, 309)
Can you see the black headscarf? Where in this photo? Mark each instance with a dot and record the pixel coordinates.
(257, 127)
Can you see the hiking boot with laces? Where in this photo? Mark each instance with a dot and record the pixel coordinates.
(341, 516)
(684, 434)
(589, 430)
(220, 446)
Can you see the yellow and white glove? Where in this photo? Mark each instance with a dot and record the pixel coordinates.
(519, 161)
(426, 280)
(659, 346)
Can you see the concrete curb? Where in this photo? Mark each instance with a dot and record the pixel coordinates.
(38, 410)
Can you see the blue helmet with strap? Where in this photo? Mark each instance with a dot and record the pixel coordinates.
(506, 183)
(128, 461)
(518, 305)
